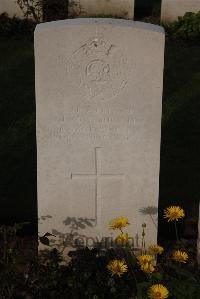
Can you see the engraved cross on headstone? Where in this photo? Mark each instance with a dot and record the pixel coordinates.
(98, 175)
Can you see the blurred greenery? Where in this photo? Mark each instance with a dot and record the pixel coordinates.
(180, 149)
(17, 131)
(144, 8)
(186, 27)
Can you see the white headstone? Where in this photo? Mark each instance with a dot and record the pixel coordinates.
(11, 8)
(99, 100)
(172, 9)
(115, 8)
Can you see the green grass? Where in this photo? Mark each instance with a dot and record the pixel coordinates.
(180, 150)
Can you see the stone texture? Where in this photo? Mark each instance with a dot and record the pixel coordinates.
(98, 99)
(172, 9)
(11, 8)
(116, 8)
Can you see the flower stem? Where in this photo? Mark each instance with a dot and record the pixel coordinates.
(153, 221)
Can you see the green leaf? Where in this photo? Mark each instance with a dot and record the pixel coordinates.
(157, 276)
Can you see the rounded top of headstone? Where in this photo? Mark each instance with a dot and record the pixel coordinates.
(99, 21)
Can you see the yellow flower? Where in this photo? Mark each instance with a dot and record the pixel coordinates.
(180, 256)
(145, 259)
(156, 249)
(147, 268)
(174, 213)
(122, 239)
(117, 267)
(158, 291)
(145, 262)
(119, 223)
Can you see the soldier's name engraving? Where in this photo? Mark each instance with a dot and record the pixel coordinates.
(101, 123)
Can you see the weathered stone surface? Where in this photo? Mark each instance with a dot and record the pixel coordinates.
(98, 99)
(91, 8)
(172, 9)
(11, 8)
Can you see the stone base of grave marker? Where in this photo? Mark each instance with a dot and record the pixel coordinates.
(11, 8)
(95, 8)
(172, 9)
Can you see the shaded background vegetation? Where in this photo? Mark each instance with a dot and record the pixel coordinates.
(17, 131)
(145, 8)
